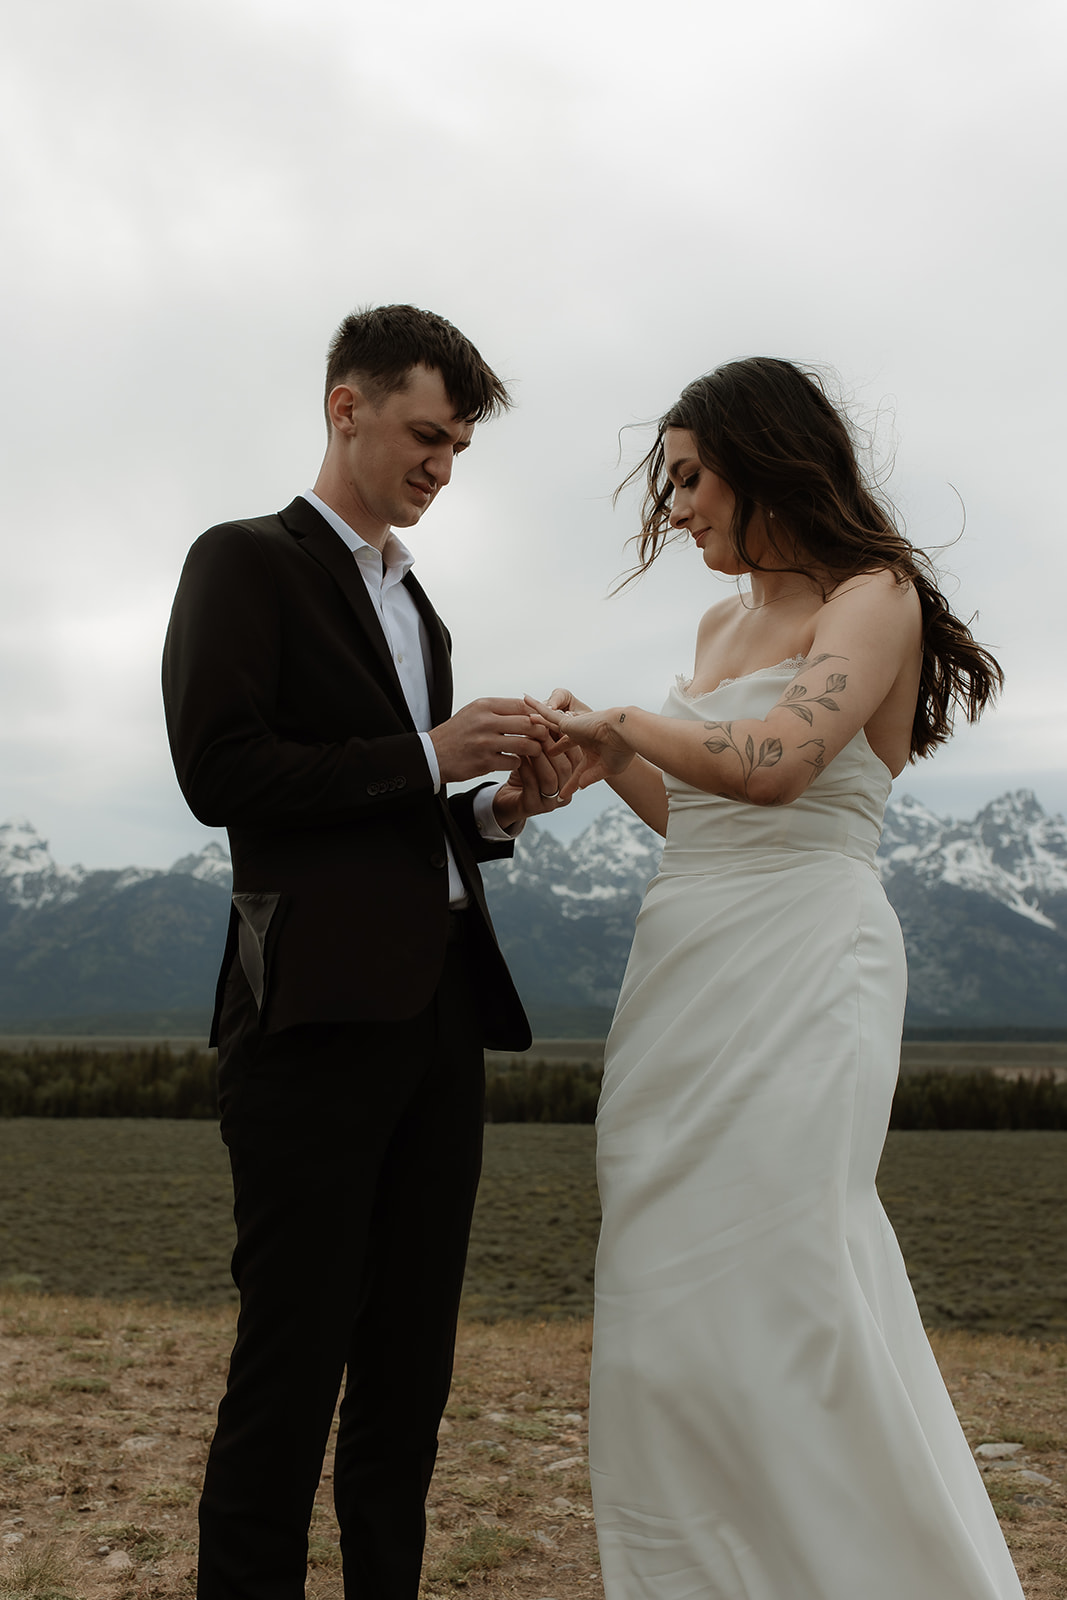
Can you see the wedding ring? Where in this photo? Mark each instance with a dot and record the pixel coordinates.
(545, 796)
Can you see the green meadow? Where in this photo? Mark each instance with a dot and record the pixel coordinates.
(140, 1208)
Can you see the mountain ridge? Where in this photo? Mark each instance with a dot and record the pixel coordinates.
(982, 903)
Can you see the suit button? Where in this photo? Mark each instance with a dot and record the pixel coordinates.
(439, 859)
(400, 782)
(374, 788)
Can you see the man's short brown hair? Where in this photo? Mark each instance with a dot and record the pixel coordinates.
(377, 346)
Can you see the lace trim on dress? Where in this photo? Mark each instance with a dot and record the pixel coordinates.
(685, 684)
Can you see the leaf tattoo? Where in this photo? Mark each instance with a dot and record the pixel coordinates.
(770, 750)
(797, 692)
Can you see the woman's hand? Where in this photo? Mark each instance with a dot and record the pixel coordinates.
(597, 733)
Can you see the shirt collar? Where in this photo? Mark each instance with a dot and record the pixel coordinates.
(395, 559)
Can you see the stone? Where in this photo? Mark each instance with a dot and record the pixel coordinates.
(444, 1426)
(567, 1462)
(118, 1561)
(139, 1442)
(997, 1452)
(1035, 1477)
(488, 1447)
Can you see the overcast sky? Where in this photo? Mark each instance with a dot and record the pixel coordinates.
(608, 199)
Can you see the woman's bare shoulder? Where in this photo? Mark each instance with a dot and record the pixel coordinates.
(878, 591)
(718, 616)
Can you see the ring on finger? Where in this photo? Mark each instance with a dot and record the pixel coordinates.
(544, 796)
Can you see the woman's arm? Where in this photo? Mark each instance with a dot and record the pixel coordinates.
(864, 637)
(641, 786)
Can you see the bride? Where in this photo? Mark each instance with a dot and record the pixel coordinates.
(767, 1421)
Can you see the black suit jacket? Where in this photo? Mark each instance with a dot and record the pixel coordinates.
(289, 727)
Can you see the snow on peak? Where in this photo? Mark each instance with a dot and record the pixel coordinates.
(1012, 851)
(618, 845)
(28, 875)
(210, 865)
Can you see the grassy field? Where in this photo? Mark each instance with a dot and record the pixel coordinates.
(141, 1209)
(107, 1410)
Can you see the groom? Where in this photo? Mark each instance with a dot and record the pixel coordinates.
(308, 693)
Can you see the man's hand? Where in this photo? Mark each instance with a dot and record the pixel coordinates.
(486, 736)
(537, 785)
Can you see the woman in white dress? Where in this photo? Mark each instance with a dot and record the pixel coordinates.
(767, 1421)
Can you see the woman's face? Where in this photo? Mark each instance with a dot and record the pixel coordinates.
(703, 504)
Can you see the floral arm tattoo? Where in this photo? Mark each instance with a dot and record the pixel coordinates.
(799, 701)
(770, 751)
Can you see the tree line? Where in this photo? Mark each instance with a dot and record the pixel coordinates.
(155, 1082)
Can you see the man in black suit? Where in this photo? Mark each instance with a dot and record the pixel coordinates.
(308, 694)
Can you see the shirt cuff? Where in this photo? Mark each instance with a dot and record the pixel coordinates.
(431, 761)
(485, 819)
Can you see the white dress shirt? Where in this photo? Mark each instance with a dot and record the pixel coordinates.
(383, 573)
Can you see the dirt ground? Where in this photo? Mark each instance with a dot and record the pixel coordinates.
(107, 1410)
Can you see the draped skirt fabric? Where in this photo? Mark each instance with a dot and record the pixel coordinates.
(767, 1420)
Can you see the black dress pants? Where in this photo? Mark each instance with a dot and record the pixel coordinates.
(355, 1150)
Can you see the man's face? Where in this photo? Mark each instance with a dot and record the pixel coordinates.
(396, 458)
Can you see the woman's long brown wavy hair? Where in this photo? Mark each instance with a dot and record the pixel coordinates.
(769, 431)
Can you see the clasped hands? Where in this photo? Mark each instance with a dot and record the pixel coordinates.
(549, 762)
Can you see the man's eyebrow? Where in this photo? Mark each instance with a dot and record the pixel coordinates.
(438, 429)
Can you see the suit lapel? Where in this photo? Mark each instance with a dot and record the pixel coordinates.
(320, 542)
(440, 658)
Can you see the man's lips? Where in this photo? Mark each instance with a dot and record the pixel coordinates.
(425, 489)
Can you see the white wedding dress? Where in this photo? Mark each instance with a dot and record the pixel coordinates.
(767, 1421)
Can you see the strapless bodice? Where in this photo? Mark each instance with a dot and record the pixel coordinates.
(841, 810)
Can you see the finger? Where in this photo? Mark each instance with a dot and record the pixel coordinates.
(550, 713)
(564, 759)
(571, 787)
(523, 724)
(516, 746)
(549, 780)
(560, 699)
(499, 707)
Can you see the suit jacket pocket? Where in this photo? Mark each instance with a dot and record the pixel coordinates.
(257, 912)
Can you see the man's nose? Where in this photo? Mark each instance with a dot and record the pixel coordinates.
(439, 466)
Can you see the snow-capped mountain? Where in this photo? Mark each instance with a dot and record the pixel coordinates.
(983, 906)
(210, 865)
(78, 944)
(29, 878)
(1012, 851)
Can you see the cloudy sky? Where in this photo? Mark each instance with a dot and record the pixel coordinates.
(608, 199)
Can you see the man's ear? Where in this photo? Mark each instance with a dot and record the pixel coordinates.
(343, 406)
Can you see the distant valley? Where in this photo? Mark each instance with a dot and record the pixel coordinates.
(983, 906)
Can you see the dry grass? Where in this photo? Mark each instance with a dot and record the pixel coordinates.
(98, 1479)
